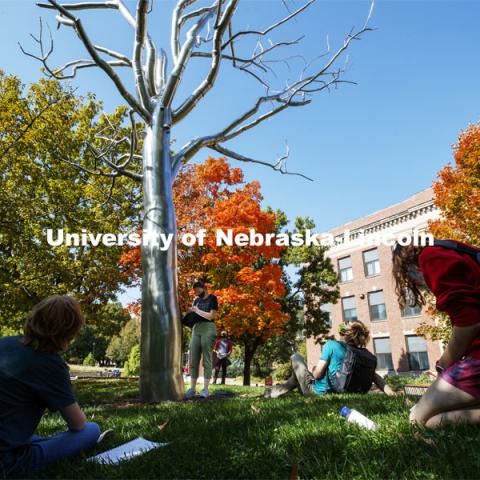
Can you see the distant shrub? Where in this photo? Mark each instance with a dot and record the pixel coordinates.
(132, 365)
(282, 372)
(89, 360)
(397, 382)
(236, 368)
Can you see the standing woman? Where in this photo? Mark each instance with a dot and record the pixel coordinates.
(451, 271)
(203, 339)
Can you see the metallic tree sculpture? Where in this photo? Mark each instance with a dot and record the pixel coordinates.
(156, 89)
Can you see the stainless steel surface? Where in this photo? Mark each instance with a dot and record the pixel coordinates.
(160, 366)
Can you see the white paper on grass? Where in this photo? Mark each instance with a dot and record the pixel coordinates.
(128, 450)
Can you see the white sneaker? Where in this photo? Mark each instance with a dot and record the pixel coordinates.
(190, 393)
(204, 393)
(105, 436)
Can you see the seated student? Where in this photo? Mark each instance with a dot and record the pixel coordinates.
(320, 380)
(34, 377)
(451, 271)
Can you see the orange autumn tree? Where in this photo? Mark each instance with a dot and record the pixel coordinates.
(247, 279)
(457, 195)
(457, 191)
(196, 190)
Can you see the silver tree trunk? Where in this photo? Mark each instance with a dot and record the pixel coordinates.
(160, 369)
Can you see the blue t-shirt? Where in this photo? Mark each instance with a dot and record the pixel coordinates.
(333, 352)
(30, 382)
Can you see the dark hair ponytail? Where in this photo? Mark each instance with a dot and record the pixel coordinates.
(406, 276)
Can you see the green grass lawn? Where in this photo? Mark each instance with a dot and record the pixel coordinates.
(251, 437)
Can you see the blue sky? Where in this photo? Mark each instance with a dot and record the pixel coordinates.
(366, 146)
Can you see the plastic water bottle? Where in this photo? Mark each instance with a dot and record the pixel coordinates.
(353, 416)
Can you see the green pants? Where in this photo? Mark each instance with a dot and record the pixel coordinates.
(203, 339)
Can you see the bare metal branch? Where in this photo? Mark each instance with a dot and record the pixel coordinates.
(176, 26)
(195, 13)
(140, 35)
(235, 128)
(79, 64)
(272, 27)
(78, 26)
(114, 4)
(161, 72)
(185, 53)
(220, 26)
(83, 6)
(114, 54)
(150, 68)
(279, 165)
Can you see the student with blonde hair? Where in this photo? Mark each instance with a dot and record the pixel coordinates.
(33, 377)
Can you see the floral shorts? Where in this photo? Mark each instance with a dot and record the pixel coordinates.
(465, 375)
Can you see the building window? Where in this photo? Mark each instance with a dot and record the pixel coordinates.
(376, 302)
(417, 353)
(327, 308)
(349, 309)
(383, 353)
(409, 311)
(371, 263)
(345, 269)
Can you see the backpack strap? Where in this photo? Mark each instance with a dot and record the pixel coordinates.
(459, 247)
(331, 378)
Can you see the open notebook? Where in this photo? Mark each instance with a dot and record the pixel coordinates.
(128, 450)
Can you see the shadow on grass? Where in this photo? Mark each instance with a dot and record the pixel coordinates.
(252, 438)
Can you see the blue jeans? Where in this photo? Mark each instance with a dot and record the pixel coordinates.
(45, 451)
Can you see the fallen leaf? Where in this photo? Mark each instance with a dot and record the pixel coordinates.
(163, 425)
(426, 440)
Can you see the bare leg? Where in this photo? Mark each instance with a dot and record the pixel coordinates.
(193, 383)
(440, 398)
(467, 415)
(206, 382)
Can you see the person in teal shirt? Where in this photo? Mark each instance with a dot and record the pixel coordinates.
(318, 381)
(333, 353)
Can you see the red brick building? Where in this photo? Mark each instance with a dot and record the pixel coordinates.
(367, 290)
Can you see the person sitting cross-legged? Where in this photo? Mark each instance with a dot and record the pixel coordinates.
(322, 379)
(33, 377)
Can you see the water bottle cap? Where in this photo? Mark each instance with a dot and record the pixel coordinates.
(345, 411)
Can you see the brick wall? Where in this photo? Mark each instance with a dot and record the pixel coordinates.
(404, 217)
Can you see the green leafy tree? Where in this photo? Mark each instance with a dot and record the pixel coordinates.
(96, 335)
(132, 365)
(438, 326)
(46, 129)
(120, 346)
(89, 360)
(316, 284)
